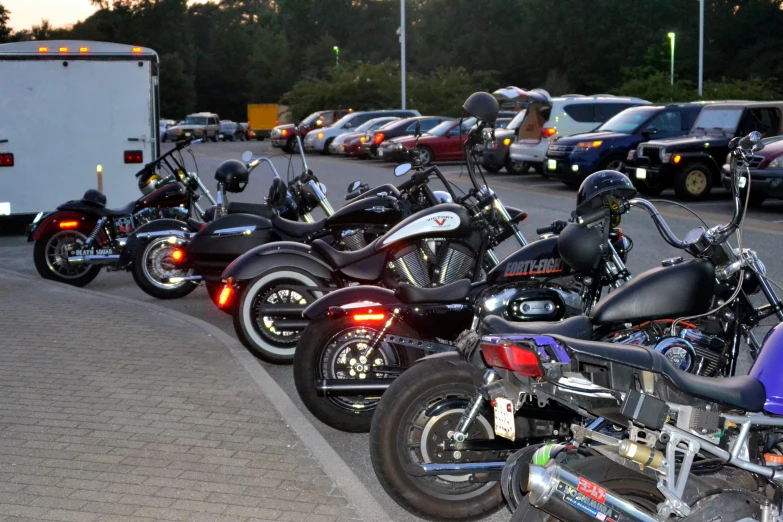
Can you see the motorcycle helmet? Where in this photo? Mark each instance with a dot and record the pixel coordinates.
(94, 197)
(580, 247)
(149, 184)
(482, 106)
(603, 182)
(233, 174)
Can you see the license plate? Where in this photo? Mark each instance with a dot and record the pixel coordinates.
(380, 153)
(504, 419)
(551, 164)
(641, 173)
(91, 252)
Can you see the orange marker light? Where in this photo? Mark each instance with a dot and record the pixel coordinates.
(84, 49)
(677, 159)
(43, 49)
(137, 50)
(177, 254)
(63, 49)
(369, 317)
(225, 295)
(69, 224)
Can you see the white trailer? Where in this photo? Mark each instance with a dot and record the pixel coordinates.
(68, 107)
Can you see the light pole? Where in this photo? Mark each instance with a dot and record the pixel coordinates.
(671, 37)
(701, 45)
(336, 56)
(402, 50)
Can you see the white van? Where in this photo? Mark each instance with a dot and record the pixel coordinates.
(548, 118)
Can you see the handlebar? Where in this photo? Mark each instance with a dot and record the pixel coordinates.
(592, 217)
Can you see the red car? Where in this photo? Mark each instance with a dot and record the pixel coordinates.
(282, 136)
(441, 143)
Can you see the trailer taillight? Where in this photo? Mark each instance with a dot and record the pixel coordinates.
(6, 159)
(134, 156)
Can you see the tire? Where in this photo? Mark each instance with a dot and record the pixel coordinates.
(693, 181)
(539, 169)
(49, 258)
(494, 169)
(615, 162)
(326, 152)
(516, 167)
(163, 138)
(647, 189)
(262, 341)
(425, 155)
(215, 138)
(318, 348)
(401, 409)
(293, 146)
(153, 265)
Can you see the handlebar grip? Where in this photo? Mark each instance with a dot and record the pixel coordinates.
(545, 230)
(745, 142)
(752, 141)
(592, 217)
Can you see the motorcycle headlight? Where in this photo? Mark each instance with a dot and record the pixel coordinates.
(38, 217)
(776, 163)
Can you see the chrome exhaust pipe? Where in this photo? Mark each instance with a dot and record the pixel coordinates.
(175, 280)
(558, 491)
(348, 387)
(94, 259)
(456, 468)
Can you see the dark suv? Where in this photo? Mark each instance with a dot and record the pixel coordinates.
(691, 164)
(572, 158)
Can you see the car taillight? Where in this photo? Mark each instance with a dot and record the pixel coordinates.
(378, 138)
(520, 360)
(548, 132)
(134, 156)
(6, 159)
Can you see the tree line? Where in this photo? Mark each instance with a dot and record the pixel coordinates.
(220, 56)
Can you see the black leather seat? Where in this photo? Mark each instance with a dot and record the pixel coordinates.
(258, 209)
(451, 293)
(297, 228)
(577, 327)
(743, 392)
(339, 259)
(91, 209)
(124, 211)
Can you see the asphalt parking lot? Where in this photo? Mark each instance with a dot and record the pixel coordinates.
(543, 199)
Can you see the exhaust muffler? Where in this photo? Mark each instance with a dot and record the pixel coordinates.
(94, 259)
(558, 491)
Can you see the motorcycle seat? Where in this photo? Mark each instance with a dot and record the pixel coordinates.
(297, 228)
(124, 211)
(450, 293)
(743, 392)
(92, 209)
(577, 327)
(339, 259)
(258, 209)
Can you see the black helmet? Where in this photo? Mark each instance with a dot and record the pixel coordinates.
(233, 174)
(603, 182)
(580, 247)
(277, 193)
(482, 106)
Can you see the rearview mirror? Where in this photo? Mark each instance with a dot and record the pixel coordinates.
(352, 187)
(402, 169)
(247, 156)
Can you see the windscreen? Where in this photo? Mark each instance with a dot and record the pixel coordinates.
(196, 120)
(627, 121)
(718, 120)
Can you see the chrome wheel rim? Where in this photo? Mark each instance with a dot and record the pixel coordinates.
(159, 265)
(424, 156)
(56, 253)
(265, 325)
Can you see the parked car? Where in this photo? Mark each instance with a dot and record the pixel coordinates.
(496, 153)
(571, 159)
(249, 134)
(319, 141)
(356, 138)
(547, 118)
(441, 143)
(165, 125)
(502, 123)
(282, 136)
(691, 164)
(766, 172)
(204, 125)
(231, 131)
(405, 127)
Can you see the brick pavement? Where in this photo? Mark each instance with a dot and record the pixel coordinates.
(115, 411)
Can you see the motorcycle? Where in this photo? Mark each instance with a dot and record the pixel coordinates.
(81, 236)
(433, 434)
(435, 246)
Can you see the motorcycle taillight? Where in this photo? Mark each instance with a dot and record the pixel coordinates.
(520, 360)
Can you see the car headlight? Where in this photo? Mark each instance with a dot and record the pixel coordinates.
(587, 145)
(776, 163)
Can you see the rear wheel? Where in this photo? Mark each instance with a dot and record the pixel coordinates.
(648, 189)
(215, 137)
(155, 264)
(335, 349)
(326, 151)
(291, 146)
(50, 256)
(516, 167)
(693, 182)
(493, 168)
(613, 163)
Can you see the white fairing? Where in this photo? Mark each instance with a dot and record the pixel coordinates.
(432, 224)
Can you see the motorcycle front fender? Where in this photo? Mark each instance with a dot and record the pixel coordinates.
(366, 296)
(52, 223)
(289, 254)
(141, 236)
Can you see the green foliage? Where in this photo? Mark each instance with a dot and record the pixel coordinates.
(177, 95)
(5, 31)
(657, 88)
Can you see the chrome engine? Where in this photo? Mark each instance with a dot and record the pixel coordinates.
(433, 263)
(531, 302)
(353, 240)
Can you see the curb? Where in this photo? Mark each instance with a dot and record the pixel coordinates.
(334, 466)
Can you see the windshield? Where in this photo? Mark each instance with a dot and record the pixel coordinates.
(373, 124)
(516, 120)
(311, 119)
(724, 120)
(342, 121)
(503, 123)
(627, 121)
(443, 128)
(195, 120)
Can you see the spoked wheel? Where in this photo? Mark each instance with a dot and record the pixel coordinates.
(155, 265)
(270, 336)
(412, 426)
(50, 256)
(336, 349)
(425, 156)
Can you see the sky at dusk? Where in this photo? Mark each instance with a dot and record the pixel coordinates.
(27, 13)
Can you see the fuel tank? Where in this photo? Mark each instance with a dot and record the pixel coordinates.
(169, 195)
(447, 220)
(661, 293)
(214, 247)
(540, 260)
(373, 210)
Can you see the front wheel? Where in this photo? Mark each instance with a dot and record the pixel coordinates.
(269, 336)
(335, 349)
(693, 182)
(50, 256)
(411, 426)
(494, 169)
(155, 264)
(425, 156)
(516, 167)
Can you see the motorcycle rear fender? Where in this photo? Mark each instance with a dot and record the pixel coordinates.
(261, 259)
(50, 223)
(362, 296)
(172, 226)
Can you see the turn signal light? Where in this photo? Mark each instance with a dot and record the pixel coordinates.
(284, 132)
(363, 139)
(677, 159)
(136, 50)
(519, 360)
(320, 135)
(369, 317)
(507, 142)
(134, 156)
(43, 49)
(84, 49)
(177, 254)
(378, 138)
(225, 295)
(6, 159)
(548, 132)
(63, 49)
(69, 224)
(589, 144)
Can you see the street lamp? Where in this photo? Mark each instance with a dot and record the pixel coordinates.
(671, 37)
(336, 56)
